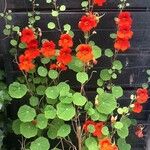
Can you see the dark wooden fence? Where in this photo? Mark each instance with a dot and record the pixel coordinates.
(136, 60)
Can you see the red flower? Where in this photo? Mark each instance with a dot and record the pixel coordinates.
(124, 19)
(84, 53)
(124, 33)
(99, 2)
(142, 95)
(121, 44)
(98, 129)
(139, 131)
(27, 35)
(25, 63)
(87, 123)
(48, 49)
(88, 22)
(65, 41)
(58, 67)
(105, 144)
(32, 53)
(64, 56)
(32, 44)
(137, 107)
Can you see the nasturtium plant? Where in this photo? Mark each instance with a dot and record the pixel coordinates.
(82, 77)
(65, 111)
(28, 130)
(17, 90)
(40, 143)
(52, 92)
(64, 91)
(107, 103)
(26, 113)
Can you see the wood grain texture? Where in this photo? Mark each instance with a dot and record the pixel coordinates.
(136, 60)
(111, 4)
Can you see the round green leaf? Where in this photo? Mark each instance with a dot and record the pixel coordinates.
(28, 130)
(34, 101)
(84, 4)
(40, 90)
(17, 90)
(62, 8)
(16, 126)
(91, 128)
(105, 131)
(67, 27)
(49, 112)
(22, 45)
(55, 13)
(82, 77)
(109, 53)
(63, 88)
(91, 143)
(66, 99)
(113, 35)
(54, 126)
(97, 52)
(64, 130)
(42, 71)
(45, 60)
(117, 65)
(48, 1)
(118, 125)
(76, 65)
(51, 25)
(120, 111)
(52, 92)
(13, 42)
(40, 143)
(122, 145)
(105, 75)
(41, 121)
(100, 82)
(107, 103)
(123, 132)
(26, 113)
(78, 99)
(117, 91)
(53, 74)
(65, 111)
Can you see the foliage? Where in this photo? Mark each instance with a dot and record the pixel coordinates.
(51, 103)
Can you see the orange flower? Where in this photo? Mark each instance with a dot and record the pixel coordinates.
(124, 33)
(48, 49)
(65, 41)
(84, 53)
(99, 2)
(32, 53)
(137, 107)
(87, 123)
(25, 63)
(105, 144)
(88, 22)
(64, 56)
(58, 67)
(124, 19)
(98, 127)
(121, 44)
(27, 35)
(142, 95)
(32, 44)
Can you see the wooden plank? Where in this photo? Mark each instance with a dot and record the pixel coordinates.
(25, 4)
(141, 20)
